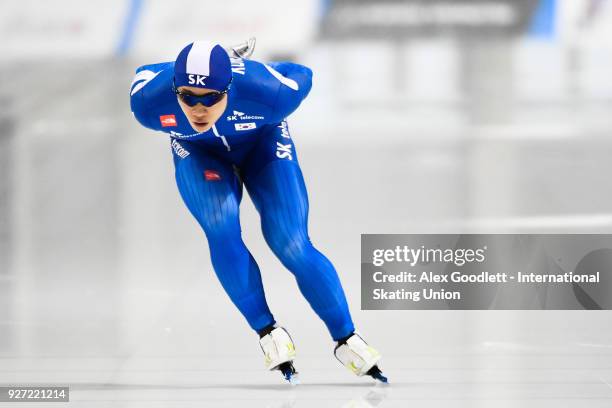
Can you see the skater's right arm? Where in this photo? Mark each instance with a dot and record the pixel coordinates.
(144, 90)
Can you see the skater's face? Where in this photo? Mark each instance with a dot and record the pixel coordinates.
(201, 117)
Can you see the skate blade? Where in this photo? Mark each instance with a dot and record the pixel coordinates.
(376, 374)
(289, 372)
(294, 380)
(380, 379)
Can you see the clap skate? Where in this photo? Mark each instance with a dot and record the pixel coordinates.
(356, 355)
(279, 352)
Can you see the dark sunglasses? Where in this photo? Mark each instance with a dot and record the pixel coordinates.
(208, 99)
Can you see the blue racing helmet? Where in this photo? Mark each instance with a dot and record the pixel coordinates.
(203, 64)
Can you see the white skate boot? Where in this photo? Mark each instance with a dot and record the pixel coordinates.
(356, 355)
(279, 352)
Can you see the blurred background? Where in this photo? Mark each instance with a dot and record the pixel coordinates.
(425, 117)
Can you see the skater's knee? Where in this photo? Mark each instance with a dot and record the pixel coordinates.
(291, 249)
(219, 229)
(220, 226)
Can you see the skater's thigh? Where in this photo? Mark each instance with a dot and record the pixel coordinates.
(208, 185)
(272, 173)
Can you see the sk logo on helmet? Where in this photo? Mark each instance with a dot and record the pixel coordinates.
(197, 79)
